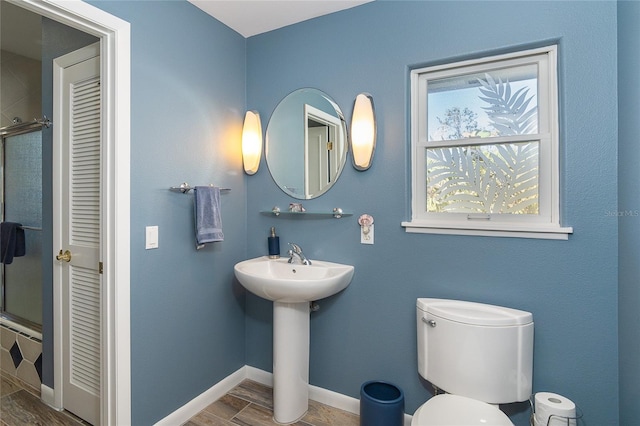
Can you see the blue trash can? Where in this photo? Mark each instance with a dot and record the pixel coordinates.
(381, 404)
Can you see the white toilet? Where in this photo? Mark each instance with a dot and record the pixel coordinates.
(480, 355)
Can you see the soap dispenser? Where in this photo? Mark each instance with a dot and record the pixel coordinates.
(274, 244)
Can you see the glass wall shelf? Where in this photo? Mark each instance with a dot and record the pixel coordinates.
(336, 213)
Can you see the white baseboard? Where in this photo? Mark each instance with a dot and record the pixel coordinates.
(199, 403)
(260, 376)
(47, 395)
(325, 396)
(334, 399)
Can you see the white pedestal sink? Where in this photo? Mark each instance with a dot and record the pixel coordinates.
(291, 287)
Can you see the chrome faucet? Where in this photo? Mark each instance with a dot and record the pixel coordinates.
(296, 251)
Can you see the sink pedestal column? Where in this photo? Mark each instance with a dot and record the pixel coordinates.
(290, 361)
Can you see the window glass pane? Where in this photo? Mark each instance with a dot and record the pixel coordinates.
(500, 102)
(486, 179)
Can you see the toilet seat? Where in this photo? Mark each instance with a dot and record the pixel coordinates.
(455, 410)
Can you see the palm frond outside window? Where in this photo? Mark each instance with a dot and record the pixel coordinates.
(491, 178)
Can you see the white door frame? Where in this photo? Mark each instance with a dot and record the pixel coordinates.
(333, 123)
(115, 36)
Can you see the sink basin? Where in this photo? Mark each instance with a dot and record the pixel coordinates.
(280, 281)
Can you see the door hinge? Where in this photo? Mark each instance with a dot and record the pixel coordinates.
(329, 146)
(100, 267)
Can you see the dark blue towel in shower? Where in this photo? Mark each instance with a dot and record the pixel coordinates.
(12, 241)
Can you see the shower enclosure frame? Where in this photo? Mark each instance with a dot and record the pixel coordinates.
(16, 129)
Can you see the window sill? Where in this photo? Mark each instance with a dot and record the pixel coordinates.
(547, 232)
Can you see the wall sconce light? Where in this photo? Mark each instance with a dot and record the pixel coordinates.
(251, 142)
(363, 132)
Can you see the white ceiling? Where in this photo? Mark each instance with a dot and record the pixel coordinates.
(21, 31)
(251, 17)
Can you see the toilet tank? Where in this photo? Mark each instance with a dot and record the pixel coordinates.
(480, 351)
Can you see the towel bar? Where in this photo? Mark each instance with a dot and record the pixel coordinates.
(184, 188)
(31, 228)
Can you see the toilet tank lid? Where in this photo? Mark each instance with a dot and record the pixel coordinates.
(474, 313)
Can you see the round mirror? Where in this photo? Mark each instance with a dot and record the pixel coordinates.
(306, 143)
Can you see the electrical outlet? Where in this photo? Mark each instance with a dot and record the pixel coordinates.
(366, 234)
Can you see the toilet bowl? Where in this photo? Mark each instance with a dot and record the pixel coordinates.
(480, 355)
(455, 410)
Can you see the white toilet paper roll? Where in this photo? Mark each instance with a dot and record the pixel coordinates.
(553, 410)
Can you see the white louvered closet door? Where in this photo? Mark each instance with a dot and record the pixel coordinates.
(80, 234)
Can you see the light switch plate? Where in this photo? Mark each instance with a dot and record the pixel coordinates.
(151, 241)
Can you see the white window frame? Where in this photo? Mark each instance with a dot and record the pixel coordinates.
(544, 225)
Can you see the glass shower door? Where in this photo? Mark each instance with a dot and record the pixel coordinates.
(22, 203)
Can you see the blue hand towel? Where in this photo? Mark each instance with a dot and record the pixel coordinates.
(12, 241)
(208, 217)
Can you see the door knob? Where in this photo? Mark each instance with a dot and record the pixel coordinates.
(66, 256)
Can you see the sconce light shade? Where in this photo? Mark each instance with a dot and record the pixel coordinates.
(363, 132)
(251, 142)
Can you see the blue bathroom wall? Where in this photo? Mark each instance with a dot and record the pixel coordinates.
(368, 331)
(187, 107)
(629, 208)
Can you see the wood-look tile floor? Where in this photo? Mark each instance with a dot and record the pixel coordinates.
(20, 405)
(251, 404)
(248, 404)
